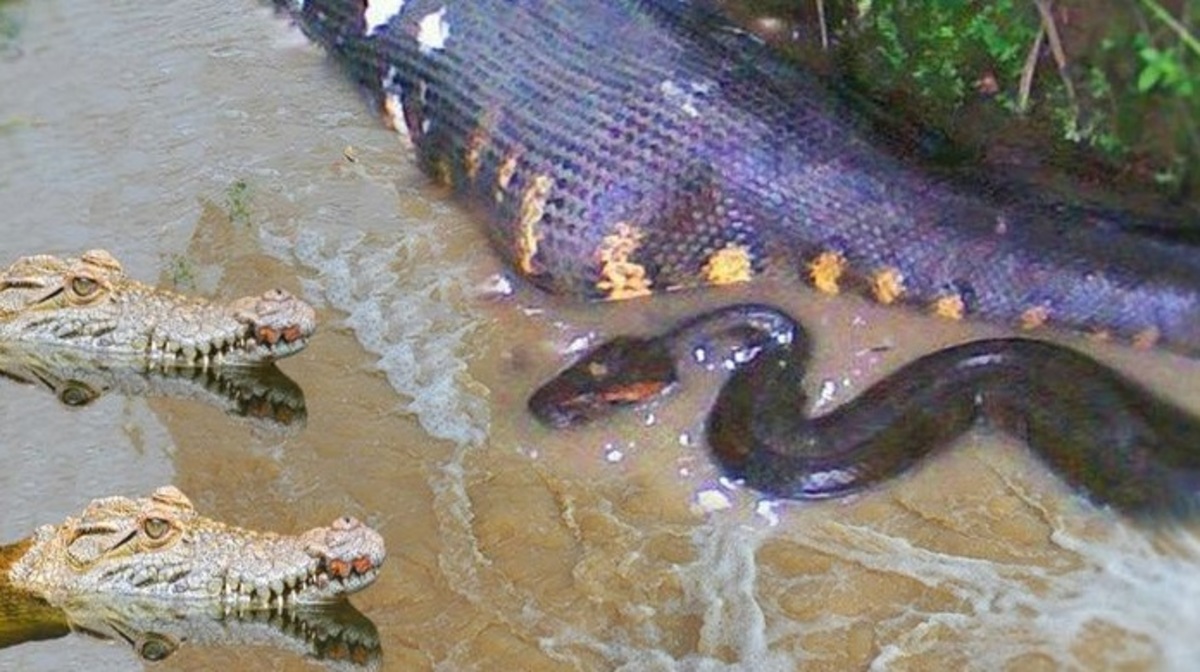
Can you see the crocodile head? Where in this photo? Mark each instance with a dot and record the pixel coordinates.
(89, 303)
(159, 547)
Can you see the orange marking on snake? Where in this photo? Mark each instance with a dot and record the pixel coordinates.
(887, 285)
(1147, 338)
(950, 306)
(1035, 317)
(826, 270)
(533, 209)
(620, 277)
(728, 265)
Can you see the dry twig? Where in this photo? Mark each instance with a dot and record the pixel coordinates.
(1056, 48)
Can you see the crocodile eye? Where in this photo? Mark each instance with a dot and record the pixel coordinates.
(84, 287)
(156, 528)
(76, 393)
(156, 647)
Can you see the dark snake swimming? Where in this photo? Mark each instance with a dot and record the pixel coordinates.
(1102, 433)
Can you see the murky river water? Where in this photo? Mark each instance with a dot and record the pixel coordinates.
(126, 125)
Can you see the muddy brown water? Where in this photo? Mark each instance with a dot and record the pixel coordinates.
(124, 125)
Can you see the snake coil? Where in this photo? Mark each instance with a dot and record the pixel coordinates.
(1105, 435)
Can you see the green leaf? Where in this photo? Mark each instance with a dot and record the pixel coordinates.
(1148, 78)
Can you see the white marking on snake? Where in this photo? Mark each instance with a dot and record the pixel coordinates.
(379, 12)
(678, 96)
(433, 31)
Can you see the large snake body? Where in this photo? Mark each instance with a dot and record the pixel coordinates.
(615, 149)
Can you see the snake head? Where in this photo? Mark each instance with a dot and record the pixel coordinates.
(626, 371)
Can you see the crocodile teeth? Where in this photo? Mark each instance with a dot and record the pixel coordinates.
(321, 575)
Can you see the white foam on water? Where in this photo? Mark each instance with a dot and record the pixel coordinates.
(413, 323)
(1012, 609)
(1120, 578)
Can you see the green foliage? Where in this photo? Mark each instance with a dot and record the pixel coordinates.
(13, 123)
(1163, 69)
(1134, 74)
(181, 272)
(10, 29)
(237, 202)
(940, 48)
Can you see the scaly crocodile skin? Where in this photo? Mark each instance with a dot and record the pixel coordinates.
(89, 304)
(160, 547)
(624, 147)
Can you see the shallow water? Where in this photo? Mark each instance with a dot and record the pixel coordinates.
(125, 125)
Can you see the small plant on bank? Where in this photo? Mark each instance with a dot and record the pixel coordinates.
(181, 272)
(237, 202)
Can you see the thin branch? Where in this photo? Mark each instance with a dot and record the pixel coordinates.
(1056, 48)
(1027, 72)
(824, 29)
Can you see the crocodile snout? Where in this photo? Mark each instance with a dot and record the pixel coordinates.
(277, 316)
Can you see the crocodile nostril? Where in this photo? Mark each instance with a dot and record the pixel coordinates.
(267, 335)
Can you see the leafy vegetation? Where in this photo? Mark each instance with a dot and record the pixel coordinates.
(1113, 82)
(934, 48)
(237, 202)
(10, 30)
(1122, 78)
(181, 272)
